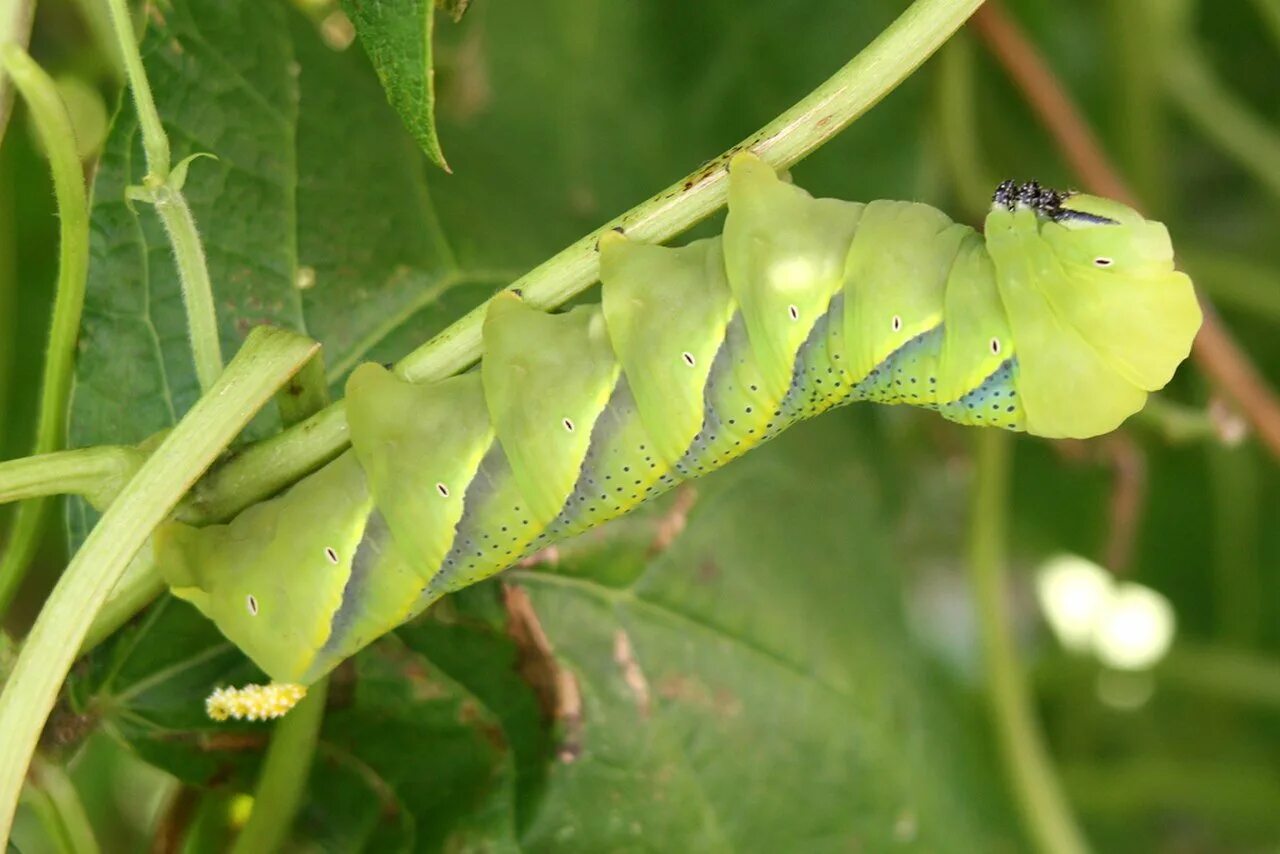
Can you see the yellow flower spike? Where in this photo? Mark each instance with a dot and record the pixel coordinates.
(254, 702)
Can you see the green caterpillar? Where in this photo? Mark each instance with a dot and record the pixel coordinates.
(1058, 322)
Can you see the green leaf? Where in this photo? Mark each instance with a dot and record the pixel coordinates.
(397, 36)
(445, 759)
(756, 681)
(147, 686)
(298, 232)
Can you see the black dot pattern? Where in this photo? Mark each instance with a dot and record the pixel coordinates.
(495, 531)
(994, 403)
(620, 471)
(737, 414)
(818, 381)
(909, 374)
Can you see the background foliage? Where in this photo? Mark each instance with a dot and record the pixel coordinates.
(797, 667)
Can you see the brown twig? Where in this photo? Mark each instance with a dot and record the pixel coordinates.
(1215, 351)
(554, 684)
(1128, 500)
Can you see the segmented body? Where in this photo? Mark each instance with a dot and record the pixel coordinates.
(695, 355)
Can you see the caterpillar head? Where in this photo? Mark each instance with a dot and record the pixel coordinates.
(1099, 313)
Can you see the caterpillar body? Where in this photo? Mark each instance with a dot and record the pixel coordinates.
(1057, 321)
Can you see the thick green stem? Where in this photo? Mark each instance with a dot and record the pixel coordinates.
(1035, 787)
(97, 473)
(15, 28)
(139, 587)
(267, 360)
(54, 125)
(283, 778)
(64, 816)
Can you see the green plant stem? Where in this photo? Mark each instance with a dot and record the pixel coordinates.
(197, 289)
(155, 144)
(54, 125)
(65, 818)
(1239, 584)
(1223, 118)
(1142, 789)
(1236, 281)
(305, 395)
(166, 195)
(267, 359)
(283, 778)
(140, 585)
(97, 473)
(8, 287)
(1269, 11)
(1228, 673)
(850, 92)
(265, 468)
(1139, 33)
(956, 110)
(1036, 790)
(15, 28)
(97, 20)
(1176, 423)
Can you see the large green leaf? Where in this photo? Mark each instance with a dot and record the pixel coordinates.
(756, 680)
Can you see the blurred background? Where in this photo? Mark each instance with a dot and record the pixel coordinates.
(809, 647)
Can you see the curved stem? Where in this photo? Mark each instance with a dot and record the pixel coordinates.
(283, 779)
(269, 357)
(1035, 787)
(825, 111)
(15, 28)
(54, 124)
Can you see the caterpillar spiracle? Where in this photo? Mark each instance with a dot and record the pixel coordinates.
(1057, 320)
